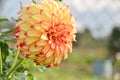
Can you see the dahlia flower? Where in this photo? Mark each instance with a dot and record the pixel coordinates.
(45, 32)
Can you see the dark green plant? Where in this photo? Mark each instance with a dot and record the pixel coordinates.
(114, 48)
(114, 42)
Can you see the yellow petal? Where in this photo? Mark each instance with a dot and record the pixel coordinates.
(25, 26)
(58, 60)
(45, 14)
(45, 25)
(72, 20)
(33, 10)
(37, 17)
(62, 47)
(67, 19)
(41, 43)
(35, 53)
(48, 60)
(19, 23)
(31, 56)
(60, 13)
(23, 10)
(49, 53)
(40, 61)
(30, 40)
(25, 51)
(28, 18)
(38, 27)
(73, 31)
(65, 53)
(33, 48)
(26, 47)
(57, 51)
(46, 49)
(22, 34)
(69, 45)
(65, 10)
(40, 58)
(33, 33)
(20, 40)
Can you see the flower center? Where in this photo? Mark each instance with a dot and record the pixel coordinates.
(57, 34)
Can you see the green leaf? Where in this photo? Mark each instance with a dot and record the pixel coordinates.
(28, 64)
(3, 19)
(33, 1)
(4, 51)
(5, 33)
(0, 26)
(60, 0)
(43, 69)
(2, 77)
(30, 76)
(14, 18)
(19, 76)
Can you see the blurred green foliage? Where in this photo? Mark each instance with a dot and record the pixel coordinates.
(114, 42)
(114, 49)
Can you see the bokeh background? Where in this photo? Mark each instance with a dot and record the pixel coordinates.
(96, 54)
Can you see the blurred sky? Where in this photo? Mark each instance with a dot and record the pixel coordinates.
(98, 15)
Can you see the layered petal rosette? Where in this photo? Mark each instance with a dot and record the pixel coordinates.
(45, 32)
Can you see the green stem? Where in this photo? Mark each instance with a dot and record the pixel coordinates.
(15, 60)
(14, 68)
(1, 71)
(14, 65)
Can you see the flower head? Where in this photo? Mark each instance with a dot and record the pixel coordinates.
(45, 32)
